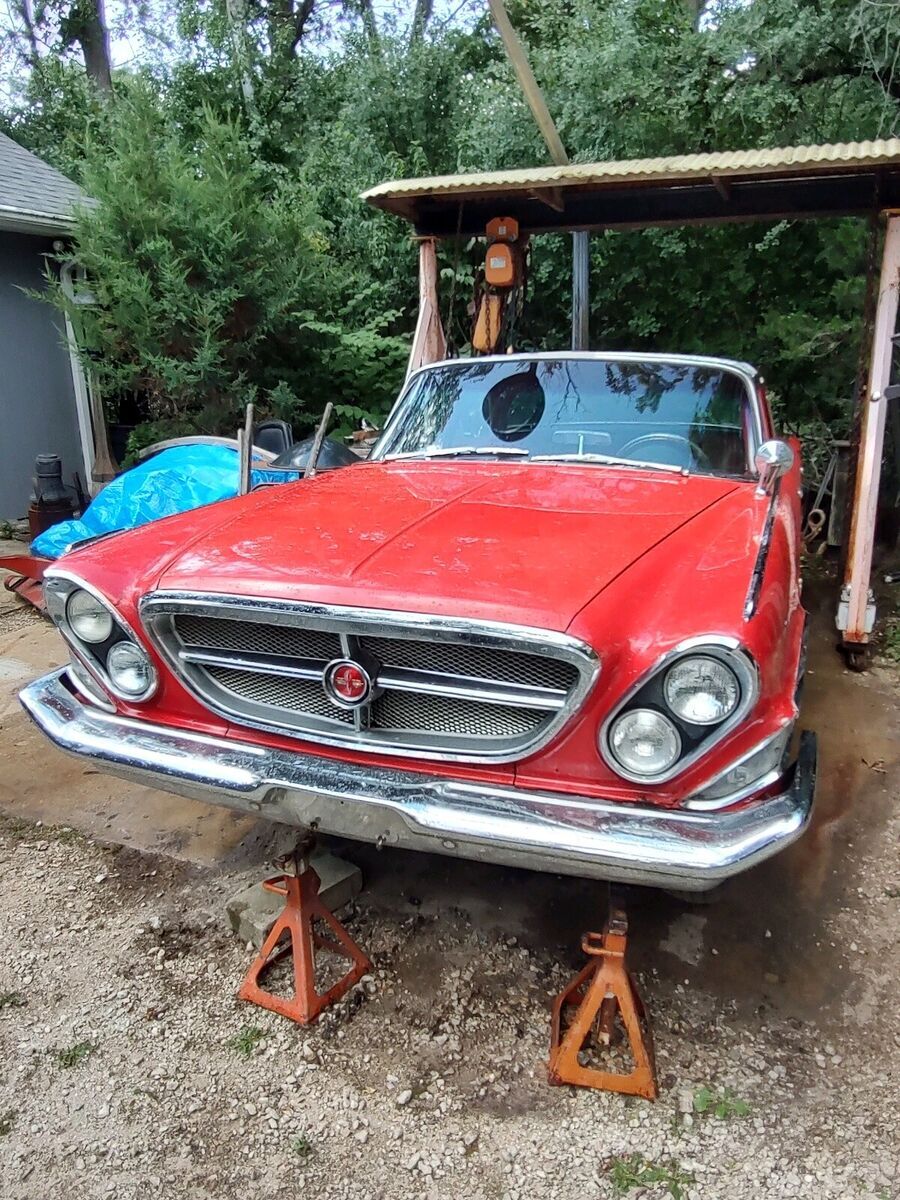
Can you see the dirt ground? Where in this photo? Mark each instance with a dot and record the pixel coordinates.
(128, 1068)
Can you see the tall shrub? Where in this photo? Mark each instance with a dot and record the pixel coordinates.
(210, 275)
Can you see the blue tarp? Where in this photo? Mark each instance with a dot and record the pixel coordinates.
(173, 481)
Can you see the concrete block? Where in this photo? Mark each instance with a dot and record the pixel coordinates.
(252, 911)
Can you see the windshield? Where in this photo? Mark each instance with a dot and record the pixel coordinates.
(677, 415)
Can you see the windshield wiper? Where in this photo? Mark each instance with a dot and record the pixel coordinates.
(458, 452)
(610, 460)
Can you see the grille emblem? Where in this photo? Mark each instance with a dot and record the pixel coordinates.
(347, 684)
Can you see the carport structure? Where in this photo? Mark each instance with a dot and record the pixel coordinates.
(859, 179)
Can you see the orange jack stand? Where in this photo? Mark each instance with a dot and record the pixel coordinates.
(303, 906)
(600, 990)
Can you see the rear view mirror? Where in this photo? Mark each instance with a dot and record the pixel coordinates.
(773, 459)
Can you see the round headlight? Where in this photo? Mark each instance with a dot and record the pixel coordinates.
(88, 619)
(701, 690)
(644, 741)
(130, 670)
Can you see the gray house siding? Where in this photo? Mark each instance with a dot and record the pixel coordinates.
(37, 401)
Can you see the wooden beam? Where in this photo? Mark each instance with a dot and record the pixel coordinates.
(581, 267)
(721, 186)
(633, 206)
(551, 196)
(528, 83)
(535, 97)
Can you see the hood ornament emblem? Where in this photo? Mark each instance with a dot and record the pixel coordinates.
(347, 683)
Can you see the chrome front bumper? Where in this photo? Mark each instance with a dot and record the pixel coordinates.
(546, 831)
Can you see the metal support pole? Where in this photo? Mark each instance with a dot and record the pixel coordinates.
(313, 460)
(245, 452)
(581, 265)
(856, 611)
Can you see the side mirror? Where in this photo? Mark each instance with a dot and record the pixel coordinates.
(773, 459)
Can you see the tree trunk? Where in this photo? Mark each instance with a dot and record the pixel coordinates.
(236, 15)
(370, 25)
(696, 9)
(25, 10)
(421, 17)
(287, 21)
(87, 26)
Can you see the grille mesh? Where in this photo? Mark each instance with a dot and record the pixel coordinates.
(276, 691)
(224, 633)
(478, 662)
(445, 714)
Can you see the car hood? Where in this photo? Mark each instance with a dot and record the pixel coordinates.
(526, 543)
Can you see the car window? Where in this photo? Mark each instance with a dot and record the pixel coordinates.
(669, 413)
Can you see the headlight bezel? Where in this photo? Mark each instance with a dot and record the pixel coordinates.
(648, 692)
(59, 586)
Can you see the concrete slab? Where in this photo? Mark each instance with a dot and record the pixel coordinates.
(38, 783)
(252, 911)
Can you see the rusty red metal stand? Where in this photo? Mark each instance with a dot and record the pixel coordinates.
(26, 577)
(600, 991)
(302, 908)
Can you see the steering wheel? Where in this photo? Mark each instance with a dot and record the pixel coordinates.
(689, 453)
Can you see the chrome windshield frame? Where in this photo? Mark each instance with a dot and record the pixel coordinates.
(748, 374)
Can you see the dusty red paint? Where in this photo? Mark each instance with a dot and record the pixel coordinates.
(631, 561)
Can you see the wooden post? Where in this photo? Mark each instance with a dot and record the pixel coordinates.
(429, 343)
(856, 613)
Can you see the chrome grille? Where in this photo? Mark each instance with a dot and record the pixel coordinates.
(443, 688)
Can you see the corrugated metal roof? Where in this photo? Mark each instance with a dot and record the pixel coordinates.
(849, 179)
(841, 156)
(34, 196)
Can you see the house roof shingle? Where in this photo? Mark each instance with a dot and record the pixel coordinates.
(34, 197)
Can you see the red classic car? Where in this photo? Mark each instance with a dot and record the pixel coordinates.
(553, 621)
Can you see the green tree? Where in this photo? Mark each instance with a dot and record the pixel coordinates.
(317, 102)
(203, 270)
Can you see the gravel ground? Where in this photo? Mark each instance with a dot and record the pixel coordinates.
(129, 1069)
